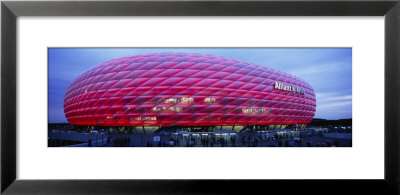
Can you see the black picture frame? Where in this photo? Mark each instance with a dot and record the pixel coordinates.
(10, 10)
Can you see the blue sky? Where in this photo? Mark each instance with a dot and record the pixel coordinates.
(327, 70)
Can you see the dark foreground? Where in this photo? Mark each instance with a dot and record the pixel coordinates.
(202, 139)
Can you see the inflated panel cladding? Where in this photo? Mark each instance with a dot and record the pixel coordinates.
(182, 89)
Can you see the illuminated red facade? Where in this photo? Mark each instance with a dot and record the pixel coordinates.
(181, 89)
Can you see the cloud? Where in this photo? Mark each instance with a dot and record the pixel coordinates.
(312, 70)
(334, 104)
(327, 98)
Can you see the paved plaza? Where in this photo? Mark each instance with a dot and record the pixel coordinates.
(276, 138)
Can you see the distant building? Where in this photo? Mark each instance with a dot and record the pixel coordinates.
(182, 89)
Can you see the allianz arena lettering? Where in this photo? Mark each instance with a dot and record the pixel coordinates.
(183, 89)
(292, 88)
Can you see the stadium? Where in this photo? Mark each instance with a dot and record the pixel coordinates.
(185, 91)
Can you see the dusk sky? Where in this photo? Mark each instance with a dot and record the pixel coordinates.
(327, 70)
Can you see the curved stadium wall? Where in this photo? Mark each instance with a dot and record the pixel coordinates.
(182, 89)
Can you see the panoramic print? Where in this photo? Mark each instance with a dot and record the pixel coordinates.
(199, 97)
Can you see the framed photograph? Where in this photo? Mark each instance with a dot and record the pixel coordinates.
(199, 97)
